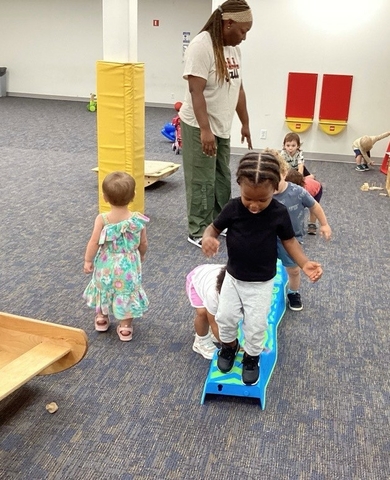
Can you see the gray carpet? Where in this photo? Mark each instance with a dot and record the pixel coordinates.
(132, 410)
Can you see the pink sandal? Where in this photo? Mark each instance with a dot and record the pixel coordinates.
(101, 323)
(124, 338)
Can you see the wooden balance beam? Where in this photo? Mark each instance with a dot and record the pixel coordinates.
(155, 171)
(31, 347)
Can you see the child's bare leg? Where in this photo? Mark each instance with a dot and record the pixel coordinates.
(312, 218)
(359, 159)
(294, 278)
(201, 323)
(213, 326)
(202, 342)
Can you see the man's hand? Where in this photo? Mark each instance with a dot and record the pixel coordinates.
(207, 139)
(246, 134)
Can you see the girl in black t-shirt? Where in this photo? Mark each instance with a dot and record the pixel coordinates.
(254, 221)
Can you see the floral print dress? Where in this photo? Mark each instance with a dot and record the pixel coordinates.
(116, 286)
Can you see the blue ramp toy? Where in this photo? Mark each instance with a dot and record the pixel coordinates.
(230, 383)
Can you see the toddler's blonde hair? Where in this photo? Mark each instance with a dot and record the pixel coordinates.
(284, 166)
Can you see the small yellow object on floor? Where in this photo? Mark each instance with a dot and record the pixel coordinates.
(52, 407)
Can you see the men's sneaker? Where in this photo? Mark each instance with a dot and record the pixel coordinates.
(312, 229)
(250, 369)
(365, 166)
(360, 168)
(226, 357)
(204, 346)
(197, 241)
(294, 301)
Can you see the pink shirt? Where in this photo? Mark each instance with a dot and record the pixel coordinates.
(312, 185)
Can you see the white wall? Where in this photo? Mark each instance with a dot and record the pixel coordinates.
(348, 37)
(51, 47)
(161, 47)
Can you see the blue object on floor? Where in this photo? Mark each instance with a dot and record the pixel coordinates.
(169, 131)
(230, 383)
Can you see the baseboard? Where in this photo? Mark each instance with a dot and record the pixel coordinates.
(48, 97)
(159, 105)
(77, 99)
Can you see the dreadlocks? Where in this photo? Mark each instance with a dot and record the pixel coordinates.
(214, 27)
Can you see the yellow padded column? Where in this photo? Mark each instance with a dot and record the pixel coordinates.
(121, 125)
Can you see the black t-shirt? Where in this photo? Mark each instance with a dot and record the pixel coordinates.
(252, 238)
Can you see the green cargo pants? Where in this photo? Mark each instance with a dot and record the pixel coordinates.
(207, 179)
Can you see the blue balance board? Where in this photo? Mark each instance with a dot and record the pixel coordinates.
(230, 383)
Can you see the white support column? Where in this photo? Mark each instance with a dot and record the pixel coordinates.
(120, 31)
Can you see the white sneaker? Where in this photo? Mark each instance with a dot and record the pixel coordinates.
(204, 346)
(197, 241)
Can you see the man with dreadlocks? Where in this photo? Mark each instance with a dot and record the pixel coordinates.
(212, 68)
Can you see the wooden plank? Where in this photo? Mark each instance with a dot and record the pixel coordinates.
(28, 365)
(18, 335)
(155, 171)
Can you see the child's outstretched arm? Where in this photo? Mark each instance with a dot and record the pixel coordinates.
(325, 229)
(143, 244)
(210, 242)
(312, 269)
(93, 245)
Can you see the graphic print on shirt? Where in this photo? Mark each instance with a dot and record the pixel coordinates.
(233, 68)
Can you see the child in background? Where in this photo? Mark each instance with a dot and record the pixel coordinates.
(362, 146)
(203, 286)
(114, 254)
(292, 153)
(314, 187)
(254, 221)
(296, 199)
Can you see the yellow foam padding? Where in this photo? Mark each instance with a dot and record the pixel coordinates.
(121, 125)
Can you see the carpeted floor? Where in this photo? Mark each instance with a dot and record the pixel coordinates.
(132, 410)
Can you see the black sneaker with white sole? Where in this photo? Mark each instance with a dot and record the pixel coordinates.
(294, 302)
(250, 369)
(226, 357)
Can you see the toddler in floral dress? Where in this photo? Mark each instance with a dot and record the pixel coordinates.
(114, 254)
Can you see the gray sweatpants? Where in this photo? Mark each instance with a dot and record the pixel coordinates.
(247, 301)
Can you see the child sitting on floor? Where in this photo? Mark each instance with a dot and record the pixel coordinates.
(292, 153)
